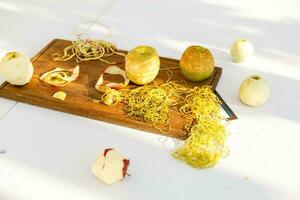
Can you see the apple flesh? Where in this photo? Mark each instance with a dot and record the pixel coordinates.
(111, 166)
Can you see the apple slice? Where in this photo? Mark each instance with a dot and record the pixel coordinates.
(111, 166)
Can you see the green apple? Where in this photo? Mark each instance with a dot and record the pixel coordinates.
(196, 63)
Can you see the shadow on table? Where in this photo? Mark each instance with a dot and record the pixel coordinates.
(192, 21)
(215, 26)
(26, 23)
(31, 182)
(154, 171)
(54, 169)
(283, 100)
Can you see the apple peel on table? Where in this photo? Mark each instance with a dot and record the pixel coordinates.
(114, 70)
(60, 77)
(110, 167)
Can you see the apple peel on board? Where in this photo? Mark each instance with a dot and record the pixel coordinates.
(114, 70)
(60, 77)
(111, 166)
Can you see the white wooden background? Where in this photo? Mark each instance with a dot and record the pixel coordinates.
(49, 154)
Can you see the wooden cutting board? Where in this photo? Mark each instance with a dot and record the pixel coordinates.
(81, 92)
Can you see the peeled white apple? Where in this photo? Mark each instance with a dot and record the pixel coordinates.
(110, 167)
(241, 50)
(16, 68)
(254, 91)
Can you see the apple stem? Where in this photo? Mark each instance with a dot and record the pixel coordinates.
(256, 77)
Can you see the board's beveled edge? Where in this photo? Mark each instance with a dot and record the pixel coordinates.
(34, 58)
(217, 77)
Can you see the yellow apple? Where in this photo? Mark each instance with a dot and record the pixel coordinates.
(142, 65)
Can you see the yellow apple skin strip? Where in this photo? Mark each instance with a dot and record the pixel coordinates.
(60, 77)
(114, 70)
(85, 50)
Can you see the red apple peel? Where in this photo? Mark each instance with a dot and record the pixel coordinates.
(126, 163)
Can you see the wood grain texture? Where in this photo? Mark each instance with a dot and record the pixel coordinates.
(81, 92)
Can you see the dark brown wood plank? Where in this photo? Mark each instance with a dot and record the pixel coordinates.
(81, 92)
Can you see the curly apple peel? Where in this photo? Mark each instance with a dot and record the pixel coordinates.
(85, 50)
(60, 77)
(205, 145)
(114, 70)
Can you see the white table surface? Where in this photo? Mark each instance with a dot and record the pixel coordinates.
(49, 154)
